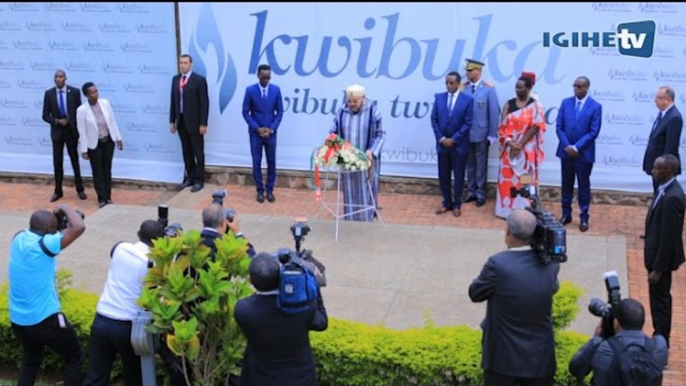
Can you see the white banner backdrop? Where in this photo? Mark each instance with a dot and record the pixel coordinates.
(127, 49)
(401, 52)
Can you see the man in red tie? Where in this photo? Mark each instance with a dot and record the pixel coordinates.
(59, 110)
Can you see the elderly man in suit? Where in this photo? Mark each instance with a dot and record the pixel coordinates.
(59, 110)
(188, 114)
(518, 340)
(262, 111)
(483, 133)
(578, 126)
(451, 120)
(665, 135)
(664, 247)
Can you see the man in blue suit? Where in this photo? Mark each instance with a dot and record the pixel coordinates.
(484, 131)
(578, 125)
(262, 110)
(451, 120)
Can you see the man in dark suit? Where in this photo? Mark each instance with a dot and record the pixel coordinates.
(215, 225)
(666, 132)
(451, 120)
(664, 248)
(278, 350)
(262, 111)
(518, 341)
(59, 110)
(578, 126)
(188, 114)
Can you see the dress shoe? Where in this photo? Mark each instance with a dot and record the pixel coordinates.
(480, 202)
(185, 184)
(443, 210)
(270, 197)
(101, 204)
(109, 201)
(457, 213)
(642, 236)
(197, 187)
(82, 195)
(583, 226)
(469, 198)
(565, 220)
(260, 197)
(55, 197)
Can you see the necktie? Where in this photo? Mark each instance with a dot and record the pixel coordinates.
(473, 89)
(264, 93)
(450, 104)
(63, 111)
(657, 122)
(578, 108)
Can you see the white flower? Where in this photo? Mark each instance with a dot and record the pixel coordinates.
(353, 168)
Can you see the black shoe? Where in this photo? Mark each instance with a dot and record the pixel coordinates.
(480, 202)
(583, 226)
(260, 197)
(82, 195)
(55, 197)
(642, 236)
(197, 187)
(270, 197)
(109, 201)
(185, 184)
(101, 204)
(565, 220)
(469, 198)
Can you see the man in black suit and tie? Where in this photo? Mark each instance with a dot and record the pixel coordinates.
(59, 110)
(518, 341)
(188, 114)
(666, 132)
(664, 248)
(215, 225)
(278, 350)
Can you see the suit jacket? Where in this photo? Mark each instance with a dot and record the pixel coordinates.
(196, 102)
(664, 248)
(88, 126)
(259, 112)
(486, 111)
(209, 236)
(664, 140)
(455, 125)
(518, 338)
(51, 111)
(278, 350)
(579, 131)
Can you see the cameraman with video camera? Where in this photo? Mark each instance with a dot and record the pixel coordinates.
(278, 350)
(629, 357)
(34, 306)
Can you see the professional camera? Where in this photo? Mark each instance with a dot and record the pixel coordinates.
(63, 221)
(163, 218)
(218, 198)
(300, 229)
(550, 237)
(604, 310)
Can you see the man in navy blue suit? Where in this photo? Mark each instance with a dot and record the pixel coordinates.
(578, 126)
(262, 110)
(451, 120)
(665, 136)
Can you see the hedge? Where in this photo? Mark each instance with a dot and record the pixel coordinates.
(352, 353)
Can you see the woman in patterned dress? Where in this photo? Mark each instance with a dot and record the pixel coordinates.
(521, 146)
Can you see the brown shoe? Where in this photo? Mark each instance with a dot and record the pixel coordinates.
(442, 210)
(457, 213)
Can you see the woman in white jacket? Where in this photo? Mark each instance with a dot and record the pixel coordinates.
(98, 133)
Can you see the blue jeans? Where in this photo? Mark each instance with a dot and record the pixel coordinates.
(109, 337)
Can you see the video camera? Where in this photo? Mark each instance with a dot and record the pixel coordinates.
(163, 218)
(300, 229)
(550, 237)
(604, 310)
(218, 198)
(63, 221)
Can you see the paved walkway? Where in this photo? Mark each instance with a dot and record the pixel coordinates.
(606, 220)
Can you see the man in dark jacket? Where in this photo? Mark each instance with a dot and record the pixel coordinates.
(278, 351)
(518, 341)
(215, 225)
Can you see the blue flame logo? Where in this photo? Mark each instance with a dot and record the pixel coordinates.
(206, 34)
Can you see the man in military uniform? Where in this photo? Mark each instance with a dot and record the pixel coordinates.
(483, 133)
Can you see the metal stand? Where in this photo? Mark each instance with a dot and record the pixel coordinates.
(337, 212)
(144, 345)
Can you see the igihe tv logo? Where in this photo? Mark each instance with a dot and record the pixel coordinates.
(631, 39)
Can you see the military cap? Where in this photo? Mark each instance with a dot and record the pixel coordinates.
(474, 65)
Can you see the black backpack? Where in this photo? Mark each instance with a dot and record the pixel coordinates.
(636, 364)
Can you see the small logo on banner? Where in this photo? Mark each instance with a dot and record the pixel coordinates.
(11, 65)
(75, 26)
(27, 44)
(155, 109)
(107, 87)
(670, 76)
(95, 7)
(624, 119)
(153, 70)
(658, 7)
(150, 28)
(23, 7)
(97, 46)
(124, 108)
(32, 122)
(643, 97)
(609, 139)
(611, 7)
(113, 27)
(631, 39)
(17, 140)
(44, 142)
(63, 45)
(139, 47)
(117, 68)
(31, 84)
(136, 127)
(627, 74)
(7, 26)
(138, 88)
(158, 148)
(638, 140)
(40, 26)
(608, 95)
(42, 65)
(79, 67)
(60, 7)
(621, 161)
(13, 104)
(133, 8)
(672, 30)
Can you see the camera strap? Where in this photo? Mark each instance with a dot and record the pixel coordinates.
(45, 249)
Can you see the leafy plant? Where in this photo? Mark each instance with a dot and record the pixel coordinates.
(192, 297)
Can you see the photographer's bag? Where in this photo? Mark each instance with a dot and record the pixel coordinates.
(297, 288)
(636, 364)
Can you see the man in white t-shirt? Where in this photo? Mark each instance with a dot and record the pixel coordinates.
(111, 329)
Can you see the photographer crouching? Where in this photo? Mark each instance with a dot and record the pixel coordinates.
(278, 350)
(628, 357)
(34, 306)
(216, 222)
(117, 308)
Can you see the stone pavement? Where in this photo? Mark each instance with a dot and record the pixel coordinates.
(395, 284)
